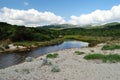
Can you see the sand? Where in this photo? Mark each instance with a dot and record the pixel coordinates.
(72, 67)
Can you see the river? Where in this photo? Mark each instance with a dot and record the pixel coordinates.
(10, 58)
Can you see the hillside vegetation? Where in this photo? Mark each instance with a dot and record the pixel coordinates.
(14, 33)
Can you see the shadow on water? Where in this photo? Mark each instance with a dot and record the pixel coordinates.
(9, 59)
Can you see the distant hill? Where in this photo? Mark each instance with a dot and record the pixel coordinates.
(112, 24)
(56, 26)
(65, 26)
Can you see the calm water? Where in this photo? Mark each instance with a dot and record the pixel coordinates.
(9, 59)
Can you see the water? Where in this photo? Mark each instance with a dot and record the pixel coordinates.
(9, 59)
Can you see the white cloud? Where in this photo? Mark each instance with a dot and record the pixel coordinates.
(26, 3)
(97, 17)
(34, 17)
(29, 17)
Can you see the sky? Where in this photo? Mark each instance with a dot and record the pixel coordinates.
(46, 12)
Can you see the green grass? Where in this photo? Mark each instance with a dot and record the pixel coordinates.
(79, 53)
(105, 58)
(111, 58)
(55, 69)
(27, 71)
(93, 41)
(55, 55)
(110, 47)
(29, 44)
(94, 56)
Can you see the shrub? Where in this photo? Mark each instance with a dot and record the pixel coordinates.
(29, 59)
(55, 69)
(105, 58)
(79, 53)
(6, 47)
(110, 47)
(46, 62)
(49, 62)
(52, 55)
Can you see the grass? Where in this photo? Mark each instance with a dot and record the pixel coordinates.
(29, 44)
(79, 53)
(26, 71)
(55, 69)
(105, 58)
(112, 58)
(94, 56)
(93, 41)
(110, 47)
(52, 55)
(46, 62)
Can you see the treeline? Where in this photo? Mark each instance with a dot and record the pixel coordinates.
(21, 33)
(102, 31)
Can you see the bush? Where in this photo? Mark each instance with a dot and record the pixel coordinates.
(6, 47)
(52, 55)
(105, 58)
(55, 69)
(110, 47)
(79, 53)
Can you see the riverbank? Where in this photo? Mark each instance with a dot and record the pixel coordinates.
(28, 45)
(72, 67)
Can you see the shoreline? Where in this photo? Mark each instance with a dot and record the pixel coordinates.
(27, 46)
(72, 67)
(13, 48)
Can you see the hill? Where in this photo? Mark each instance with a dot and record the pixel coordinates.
(45, 33)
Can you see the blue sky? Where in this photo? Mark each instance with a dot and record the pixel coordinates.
(63, 8)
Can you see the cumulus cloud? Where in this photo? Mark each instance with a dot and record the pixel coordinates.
(34, 17)
(26, 3)
(97, 17)
(29, 17)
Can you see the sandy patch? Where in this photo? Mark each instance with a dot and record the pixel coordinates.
(72, 67)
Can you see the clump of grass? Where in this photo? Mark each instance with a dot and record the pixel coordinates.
(79, 53)
(26, 71)
(94, 56)
(55, 69)
(55, 55)
(92, 50)
(110, 47)
(105, 58)
(111, 58)
(1, 48)
(46, 62)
